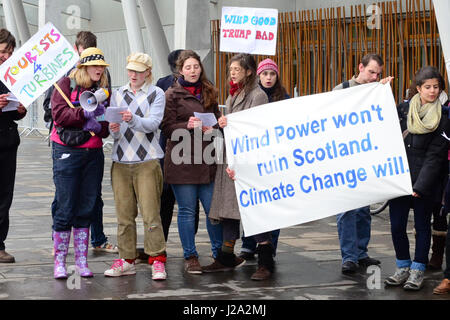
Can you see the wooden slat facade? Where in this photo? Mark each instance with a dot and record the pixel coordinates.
(318, 49)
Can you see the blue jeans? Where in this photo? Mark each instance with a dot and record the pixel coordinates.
(249, 243)
(354, 233)
(398, 212)
(77, 174)
(97, 235)
(187, 196)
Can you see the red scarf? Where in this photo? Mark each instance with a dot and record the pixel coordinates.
(235, 88)
(195, 91)
(194, 88)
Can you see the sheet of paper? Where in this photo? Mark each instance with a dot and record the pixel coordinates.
(12, 105)
(12, 97)
(208, 119)
(112, 114)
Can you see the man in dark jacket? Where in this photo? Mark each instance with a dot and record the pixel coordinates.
(167, 81)
(9, 143)
(354, 225)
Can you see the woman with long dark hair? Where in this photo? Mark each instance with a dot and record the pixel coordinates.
(245, 93)
(270, 82)
(423, 123)
(190, 176)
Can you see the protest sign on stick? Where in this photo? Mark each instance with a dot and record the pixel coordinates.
(38, 64)
(249, 30)
(307, 158)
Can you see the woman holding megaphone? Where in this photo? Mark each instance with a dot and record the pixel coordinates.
(78, 159)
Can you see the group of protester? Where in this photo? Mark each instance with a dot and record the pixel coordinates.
(140, 184)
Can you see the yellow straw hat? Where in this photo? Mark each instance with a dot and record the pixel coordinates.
(92, 57)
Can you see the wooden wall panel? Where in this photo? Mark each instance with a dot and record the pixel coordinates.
(318, 49)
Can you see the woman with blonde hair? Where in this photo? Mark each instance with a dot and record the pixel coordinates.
(78, 160)
(136, 173)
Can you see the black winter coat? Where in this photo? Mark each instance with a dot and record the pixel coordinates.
(427, 156)
(9, 136)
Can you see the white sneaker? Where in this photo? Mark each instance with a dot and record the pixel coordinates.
(159, 271)
(415, 280)
(398, 278)
(120, 268)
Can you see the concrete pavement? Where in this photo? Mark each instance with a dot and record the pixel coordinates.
(308, 259)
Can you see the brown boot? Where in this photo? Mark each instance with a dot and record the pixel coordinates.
(5, 257)
(261, 274)
(265, 262)
(224, 262)
(438, 248)
(192, 266)
(443, 287)
(216, 266)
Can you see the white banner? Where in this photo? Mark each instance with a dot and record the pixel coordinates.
(38, 64)
(249, 30)
(311, 157)
(441, 9)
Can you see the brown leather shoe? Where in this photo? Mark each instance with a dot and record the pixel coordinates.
(191, 265)
(261, 274)
(443, 287)
(216, 266)
(5, 257)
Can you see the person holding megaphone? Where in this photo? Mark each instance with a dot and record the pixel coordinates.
(78, 159)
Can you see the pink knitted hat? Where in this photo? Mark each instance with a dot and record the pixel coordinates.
(267, 64)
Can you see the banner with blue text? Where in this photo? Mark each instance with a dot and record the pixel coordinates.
(311, 157)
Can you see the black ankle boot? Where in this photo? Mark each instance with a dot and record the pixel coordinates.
(437, 255)
(266, 264)
(225, 258)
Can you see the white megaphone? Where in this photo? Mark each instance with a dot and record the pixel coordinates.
(89, 101)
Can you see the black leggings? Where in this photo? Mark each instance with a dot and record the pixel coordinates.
(231, 231)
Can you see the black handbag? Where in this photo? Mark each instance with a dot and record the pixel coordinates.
(73, 136)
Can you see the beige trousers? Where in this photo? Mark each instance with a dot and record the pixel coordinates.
(138, 186)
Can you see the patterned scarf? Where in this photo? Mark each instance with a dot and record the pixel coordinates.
(425, 118)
